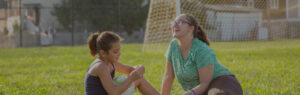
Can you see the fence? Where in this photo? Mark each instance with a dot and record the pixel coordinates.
(31, 23)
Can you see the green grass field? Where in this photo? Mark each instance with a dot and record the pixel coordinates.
(262, 67)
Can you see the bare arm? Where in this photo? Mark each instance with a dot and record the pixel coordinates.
(108, 84)
(205, 76)
(167, 79)
(122, 68)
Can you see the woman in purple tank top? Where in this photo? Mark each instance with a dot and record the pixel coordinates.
(99, 78)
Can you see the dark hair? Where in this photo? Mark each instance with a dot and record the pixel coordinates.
(198, 30)
(103, 41)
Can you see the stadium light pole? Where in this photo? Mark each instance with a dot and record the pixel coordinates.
(119, 16)
(268, 6)
(21, 22)
(72, 24)
(147, 26)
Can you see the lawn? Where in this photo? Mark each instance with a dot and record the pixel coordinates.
(262, 67)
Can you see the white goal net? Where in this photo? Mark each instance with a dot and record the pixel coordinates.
(225, 20)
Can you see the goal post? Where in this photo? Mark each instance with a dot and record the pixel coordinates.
(223, 20)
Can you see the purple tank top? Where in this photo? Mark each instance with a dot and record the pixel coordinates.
(93, 85)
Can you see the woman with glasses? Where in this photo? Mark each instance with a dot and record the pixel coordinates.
(194, 63)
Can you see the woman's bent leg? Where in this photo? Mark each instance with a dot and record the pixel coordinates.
(225, 85)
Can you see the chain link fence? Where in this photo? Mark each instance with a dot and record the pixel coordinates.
(31, 23)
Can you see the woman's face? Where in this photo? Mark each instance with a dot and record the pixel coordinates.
(181, 27)
(114, 53)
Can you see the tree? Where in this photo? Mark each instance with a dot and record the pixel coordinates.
(63, 13)
(103, 14)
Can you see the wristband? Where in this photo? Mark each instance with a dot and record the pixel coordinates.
(193, 91)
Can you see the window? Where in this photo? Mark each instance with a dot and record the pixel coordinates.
(3, 7)
(2, 13)
(274, 4)
(3, 4)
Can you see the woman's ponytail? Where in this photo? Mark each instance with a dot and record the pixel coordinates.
(92, 43)
(198, 30)
(201, 35)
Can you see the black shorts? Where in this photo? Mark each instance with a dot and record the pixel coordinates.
(224, 85)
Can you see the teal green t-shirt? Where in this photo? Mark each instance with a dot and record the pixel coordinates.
(200, 55)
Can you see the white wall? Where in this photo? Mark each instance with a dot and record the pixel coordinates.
(237, 26)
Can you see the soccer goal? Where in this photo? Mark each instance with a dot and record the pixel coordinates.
(223, 20)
